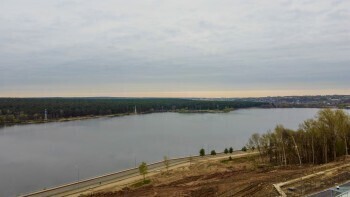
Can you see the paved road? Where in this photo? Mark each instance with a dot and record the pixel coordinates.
(85, 185)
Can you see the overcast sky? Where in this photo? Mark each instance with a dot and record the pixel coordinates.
(177, 48)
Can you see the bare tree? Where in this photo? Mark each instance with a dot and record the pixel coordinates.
(327, 132)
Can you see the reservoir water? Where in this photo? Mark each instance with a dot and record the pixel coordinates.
(37, 156)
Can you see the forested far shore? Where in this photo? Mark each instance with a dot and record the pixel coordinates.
(26, 110)
(320, 140)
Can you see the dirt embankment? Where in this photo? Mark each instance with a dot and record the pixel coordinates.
(239, 177)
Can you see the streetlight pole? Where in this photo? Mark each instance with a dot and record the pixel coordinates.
(78, 172)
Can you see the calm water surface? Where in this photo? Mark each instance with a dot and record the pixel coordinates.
(33, 157)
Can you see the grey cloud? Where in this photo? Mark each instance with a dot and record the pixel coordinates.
(228, 44)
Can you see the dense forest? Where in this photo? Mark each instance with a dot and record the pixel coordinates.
(22, 110)
(320, 140)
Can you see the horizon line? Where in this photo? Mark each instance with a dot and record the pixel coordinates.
(147, 97)
(250, 93)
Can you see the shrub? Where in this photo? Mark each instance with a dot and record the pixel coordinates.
(143, 169)
(231, 150)
(202, 152)
(226, 151)
(244, 148)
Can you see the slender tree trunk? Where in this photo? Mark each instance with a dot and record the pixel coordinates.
(346, 147)
(281, 158)
(270, 154)
(334, 150)
(260, 154)
(325, 150)
(276, 156)
(284, 154)
(313, 150)
(296, 147)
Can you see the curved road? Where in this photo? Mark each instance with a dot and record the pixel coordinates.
(126, 176)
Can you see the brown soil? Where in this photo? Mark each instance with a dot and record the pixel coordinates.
(240, 177)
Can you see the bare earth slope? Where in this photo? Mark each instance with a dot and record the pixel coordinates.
(239, 177)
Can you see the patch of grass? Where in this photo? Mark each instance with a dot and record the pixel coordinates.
(213, 164)
(141, 183)
(250, 158)
(225, 161)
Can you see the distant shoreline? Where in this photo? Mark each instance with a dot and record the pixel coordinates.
(204, 111)
(181, 111)
(67, 119)
(112, 116)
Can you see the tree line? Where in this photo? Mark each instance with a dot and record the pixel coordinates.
(320, 140)
(18, 110)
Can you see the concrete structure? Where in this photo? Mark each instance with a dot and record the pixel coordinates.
(341, 191)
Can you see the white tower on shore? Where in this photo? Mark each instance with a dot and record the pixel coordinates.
(45, 117)
(135, 110)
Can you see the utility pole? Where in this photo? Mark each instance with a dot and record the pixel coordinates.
(78, 173)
